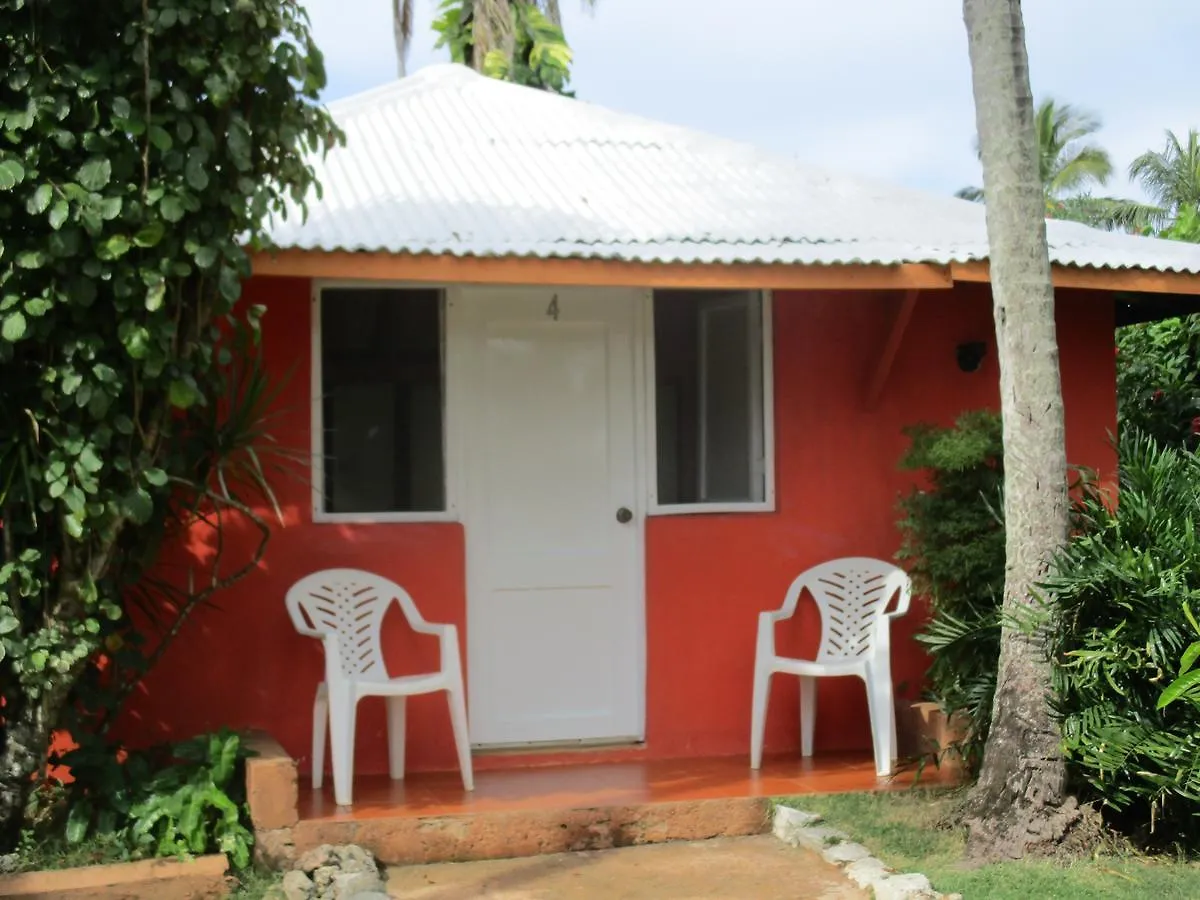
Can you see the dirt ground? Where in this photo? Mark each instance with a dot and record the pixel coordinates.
(749, 868)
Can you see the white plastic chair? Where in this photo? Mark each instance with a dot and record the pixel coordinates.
(852, 596)
(344, 608)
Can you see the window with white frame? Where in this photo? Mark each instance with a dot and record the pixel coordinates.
(382, 446)
(712, 392)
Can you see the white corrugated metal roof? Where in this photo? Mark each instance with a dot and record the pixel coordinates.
(449, 162)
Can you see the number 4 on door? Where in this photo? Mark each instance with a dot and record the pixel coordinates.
(552, 309)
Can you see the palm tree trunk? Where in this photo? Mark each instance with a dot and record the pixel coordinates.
(402, 24)
(1019, 804)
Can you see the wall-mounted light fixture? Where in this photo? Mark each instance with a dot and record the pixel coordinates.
(970, 355)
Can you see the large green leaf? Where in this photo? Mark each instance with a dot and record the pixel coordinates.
(11, 174)
(95, 173)
(13, 327)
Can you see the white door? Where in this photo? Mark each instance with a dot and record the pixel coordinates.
(554, 608)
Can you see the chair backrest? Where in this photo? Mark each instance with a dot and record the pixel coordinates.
(348, 606)
(852, 596)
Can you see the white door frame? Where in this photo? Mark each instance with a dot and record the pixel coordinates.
(458, 408)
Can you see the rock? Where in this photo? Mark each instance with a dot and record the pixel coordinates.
(845, 852)
(323, 880)
(9, 862)
(351, 885)
(296, 886)
(353, 858)
(865, 872)
(905, 887)
(314, 859)
(817, 837)
(788, 821)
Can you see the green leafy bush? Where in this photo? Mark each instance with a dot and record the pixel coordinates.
(1122, 590)
(1158, 380)
(953, 546)
(178, 800)
(142, 148)
(1187, 685)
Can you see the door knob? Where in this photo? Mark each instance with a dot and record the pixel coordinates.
(624, 515)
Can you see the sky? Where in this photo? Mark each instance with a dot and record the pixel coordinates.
(872, 87)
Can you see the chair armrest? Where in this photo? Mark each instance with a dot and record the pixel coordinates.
(309, 632)
(902, 604)
(420, 626)
(779, 615)
(447, 646)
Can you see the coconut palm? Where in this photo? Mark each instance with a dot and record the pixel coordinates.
(1171, 177)
(1067, 161)
(491, 25)
(1070, 166)
(1017, 804)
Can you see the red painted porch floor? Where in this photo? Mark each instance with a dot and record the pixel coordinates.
(600, 784)
(553, 809)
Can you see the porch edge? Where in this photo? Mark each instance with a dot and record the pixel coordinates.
(536, 832)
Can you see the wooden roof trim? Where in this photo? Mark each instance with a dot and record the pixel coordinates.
(1135, 281)
(887, 356)
(445, 269)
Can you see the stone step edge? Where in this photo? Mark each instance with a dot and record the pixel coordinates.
(798, 828)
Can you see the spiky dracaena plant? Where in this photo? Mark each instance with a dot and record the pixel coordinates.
(1123, 587)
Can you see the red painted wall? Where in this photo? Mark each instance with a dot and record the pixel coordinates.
(708, 576)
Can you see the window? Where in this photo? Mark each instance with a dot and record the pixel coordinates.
(712, 390)
(381, 402)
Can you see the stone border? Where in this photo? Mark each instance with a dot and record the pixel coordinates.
(805, 829)
(153, 879)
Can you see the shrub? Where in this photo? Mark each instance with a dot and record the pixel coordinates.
(1122, 589)
(953, 546)
(142, 148)
(174, 800)
(1158, 380)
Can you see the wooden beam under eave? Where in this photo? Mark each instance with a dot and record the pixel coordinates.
(1134, 281)
(891, 347)
(444, 269)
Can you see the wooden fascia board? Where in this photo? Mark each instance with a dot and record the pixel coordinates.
(1136, 281)
(887, 355)
(444, 269)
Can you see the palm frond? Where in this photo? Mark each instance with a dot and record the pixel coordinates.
(1109, 213)
(1171, 176)
(974, 194)
(1078, 167)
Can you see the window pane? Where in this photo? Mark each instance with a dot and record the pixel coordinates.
(709, 390)
(381, 380)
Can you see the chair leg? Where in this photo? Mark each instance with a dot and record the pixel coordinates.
(462, 740)
(320, 736)
(879, 697)
(758, 714)
(808, 713)
(395, 716)
(343, 705)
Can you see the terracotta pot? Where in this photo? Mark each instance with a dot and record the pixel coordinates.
(151, 879)
(924, 730)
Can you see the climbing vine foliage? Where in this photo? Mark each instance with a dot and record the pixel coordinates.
(143, 144)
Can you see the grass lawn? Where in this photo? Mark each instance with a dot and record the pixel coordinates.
(901, 828)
